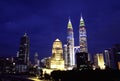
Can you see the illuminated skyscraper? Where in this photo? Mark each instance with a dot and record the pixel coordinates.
(36, 60)
(76, 50)
(81, 59)
(112, 57)
(24, 49)
(57, 61)
(99, 61)
(23, 54)
(107, 57)
(65, 54)
(115, 56)
(70, 46)
(82, 37)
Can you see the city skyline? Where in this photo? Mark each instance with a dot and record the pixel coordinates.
(44, 21)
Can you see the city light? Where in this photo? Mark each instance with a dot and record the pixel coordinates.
(34, 79)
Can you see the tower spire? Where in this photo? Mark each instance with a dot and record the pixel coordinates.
(82, 21)
(25, 34)
(82, 36)
(69, 23)
(70, 62)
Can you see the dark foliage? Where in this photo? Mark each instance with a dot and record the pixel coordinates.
(86, 75)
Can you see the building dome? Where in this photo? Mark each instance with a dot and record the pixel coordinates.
(57, 39)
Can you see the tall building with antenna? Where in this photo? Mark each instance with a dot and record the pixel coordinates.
(82, 36)
(23, 54)
(83, 57)
(36, 59)
(70, 62)
(70, 50)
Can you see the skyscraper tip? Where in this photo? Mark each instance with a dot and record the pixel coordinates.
(81, 19)
(25, 34)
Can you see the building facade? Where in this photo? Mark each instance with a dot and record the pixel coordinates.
(115, 56)
(23, 54)
(76, 49)
(36, 60)
(70, 46)
(107, 58)
(69, 49)
(112, 57)
(81, 59)
(65, 54)
(99, 61)
(56, 61)
(82, 36)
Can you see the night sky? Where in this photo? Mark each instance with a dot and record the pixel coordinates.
(46, 20)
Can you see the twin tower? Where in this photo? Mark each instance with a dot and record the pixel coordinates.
(69, 53)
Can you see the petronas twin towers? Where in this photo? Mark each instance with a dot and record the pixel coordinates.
(69, 54)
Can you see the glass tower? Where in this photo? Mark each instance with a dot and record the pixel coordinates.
(23, 55)
(82, 36)
(70, 46)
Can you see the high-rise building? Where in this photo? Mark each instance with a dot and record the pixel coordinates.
(81, 59)
(76, 50)
(45, 62)
(107, 58)
(112, 57)
(115, 54)
(56, 61)
(36, 60)
(23, 54)
(65, 54)
(70, 50)
(82, 36)
(7, 65)
(70, 62)
(99, 61)
(24, 49)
